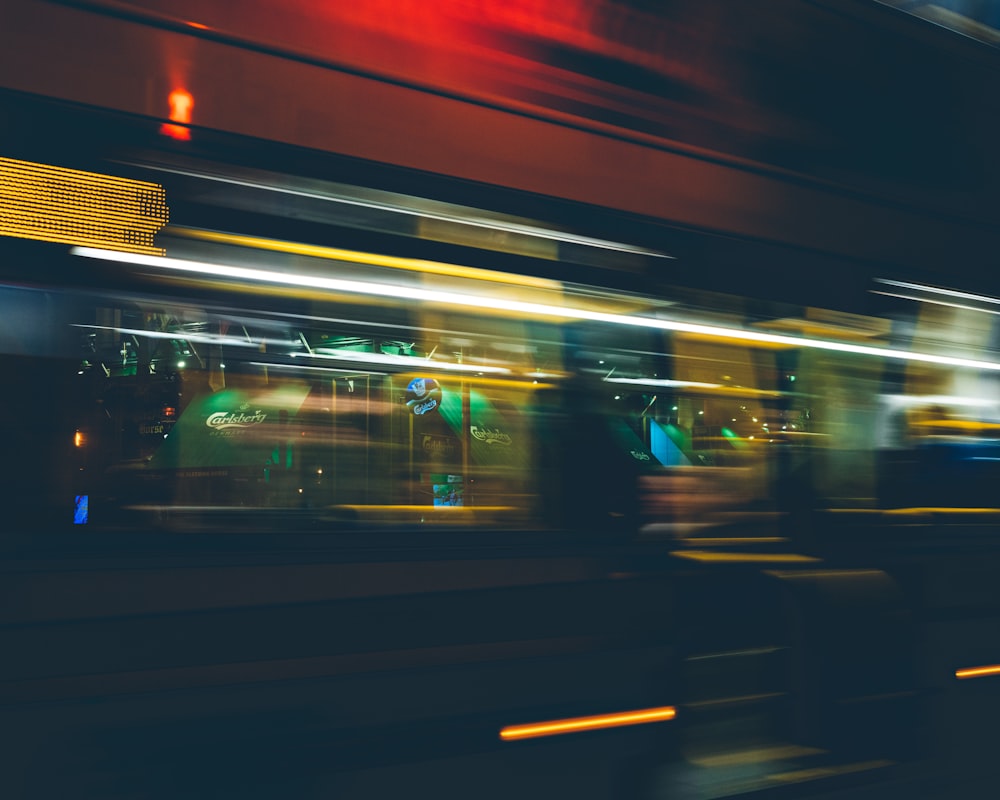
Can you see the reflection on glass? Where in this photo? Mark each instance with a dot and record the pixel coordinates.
(328, 407)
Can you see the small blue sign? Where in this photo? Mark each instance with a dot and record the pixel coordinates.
(423, 395)
(81, 511)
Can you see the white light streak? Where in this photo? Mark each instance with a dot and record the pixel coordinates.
(936, 399)
(471, 301)
(426, 213)
(411, 362)
(183, 336)
(935, 302)
(666, 384)
(979, 298)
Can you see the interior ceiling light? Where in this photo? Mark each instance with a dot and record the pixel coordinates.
(404, 361)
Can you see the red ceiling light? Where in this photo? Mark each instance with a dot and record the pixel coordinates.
(181, 102)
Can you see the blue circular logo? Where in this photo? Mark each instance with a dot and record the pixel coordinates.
(423, 395)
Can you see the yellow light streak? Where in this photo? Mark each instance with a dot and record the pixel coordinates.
(685, 336)
(360, 257)
(977, 672)
(965, 425)
(576, 724)
(69, 206)
(816, 773)
(520, 381)
(740, 558)
(916, 512)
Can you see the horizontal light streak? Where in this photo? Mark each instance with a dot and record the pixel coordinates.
(979, 298)
(556, 727)
(333, 355)
(935, 302)
(182, 336)
(816, 773)
(412, 362)
(715, 388)
(756, 755)
(715, 338)
(744, 558)
(977, 672)
(744, 653)
(371, 259)
(936, 399)
(966, 425)
(917, 511)
(739, 700)
(505, 226)
(521, 381)
(481, 302)
(662, 383)
(801, 575)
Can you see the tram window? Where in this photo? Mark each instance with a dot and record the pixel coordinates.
(361, 414)
(362, 418)
(333, 411)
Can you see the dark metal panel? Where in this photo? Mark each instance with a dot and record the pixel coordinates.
(116, 63)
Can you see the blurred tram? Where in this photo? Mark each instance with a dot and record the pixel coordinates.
(397, 508)
(326, 475)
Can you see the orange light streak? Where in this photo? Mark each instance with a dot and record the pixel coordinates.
(743, 558)
(573, 725)
(977, 672)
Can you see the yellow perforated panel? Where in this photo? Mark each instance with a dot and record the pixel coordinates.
(56, 204)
